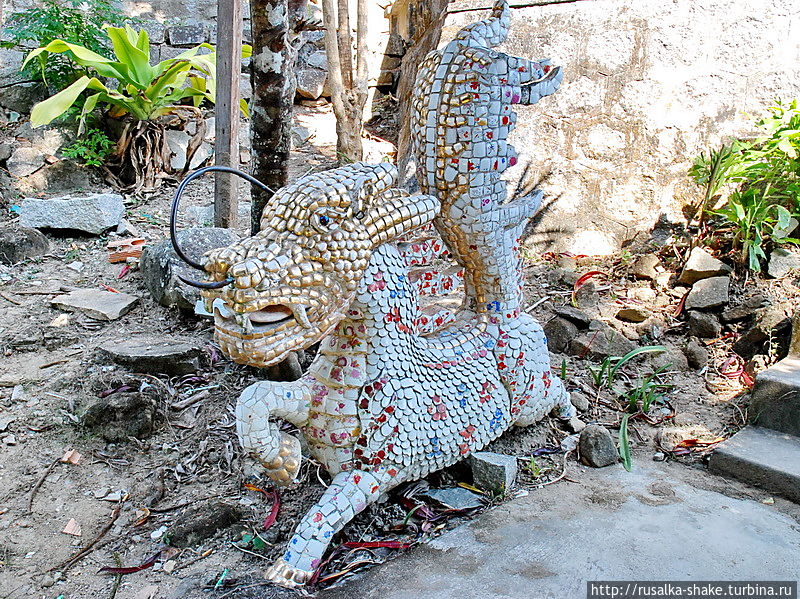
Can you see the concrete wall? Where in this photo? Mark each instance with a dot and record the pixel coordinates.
(649, 84)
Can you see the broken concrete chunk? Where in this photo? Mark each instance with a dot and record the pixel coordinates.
(708, 293)
(21, 243)
(96, 303)
(596, 447)
(120, 416)
(94, 213)
(153, 355)
(702, 265)
(493, 471)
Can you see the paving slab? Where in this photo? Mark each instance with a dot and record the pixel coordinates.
(651, 524)
(775, 402)
(761, 457)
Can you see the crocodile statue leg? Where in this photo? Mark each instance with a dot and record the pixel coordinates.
(277, 451)
(349, 493)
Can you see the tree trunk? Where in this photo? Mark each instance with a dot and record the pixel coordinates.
(348, 90)
(273, 79)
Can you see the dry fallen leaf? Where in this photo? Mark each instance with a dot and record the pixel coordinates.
(72, 528)
(71, 457)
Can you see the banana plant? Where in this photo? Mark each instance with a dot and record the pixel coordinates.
(144, 91)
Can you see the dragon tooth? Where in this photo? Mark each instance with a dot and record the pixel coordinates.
(243, 320)
(299, 311)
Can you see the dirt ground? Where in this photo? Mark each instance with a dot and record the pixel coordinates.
(128, 497)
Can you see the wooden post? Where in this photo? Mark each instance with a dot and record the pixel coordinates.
(226, 147)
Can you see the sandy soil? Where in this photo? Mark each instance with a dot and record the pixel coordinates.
(49, 374)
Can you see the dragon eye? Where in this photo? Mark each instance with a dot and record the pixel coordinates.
(324, 220)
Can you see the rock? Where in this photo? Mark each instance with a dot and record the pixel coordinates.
(579, 317)
(318, 59)
(311, 82)
(580, 401)
(61, 177)
(287, 370)
(576, 425)
(6, 148)
(35, 145)
(782, 262)
(769, 333)
(153, 355)
(456, 498)
(633, 314)
(178, 142)
(600, 344)
(96, 303)
(186, 36)
(21, 97)
(493, 471)
(21, 243)
(201, 155)
(201, 522)
(708, 293)
(597, 448)
(746, 310)
(703, 324)
(643, 294)
(160, 266)
(646, 267)
(696, 355)
(559, 333)
(672, 359)
(301, 135)
(121, 415)
(702, 265)
(93, 213)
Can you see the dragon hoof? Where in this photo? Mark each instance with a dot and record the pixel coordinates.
(284, 468)
(286, 575)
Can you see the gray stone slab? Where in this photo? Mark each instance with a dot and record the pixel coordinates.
(493, 471)
(775, 402)
(93, 213)
(99, 304)
(761, 457)
(154, 355)
(649, 524)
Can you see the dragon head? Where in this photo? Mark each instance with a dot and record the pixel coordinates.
(287, 286)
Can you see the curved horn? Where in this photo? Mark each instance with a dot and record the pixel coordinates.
(216, 285)
(173, 220)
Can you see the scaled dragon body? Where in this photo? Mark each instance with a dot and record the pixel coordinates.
(383, 403)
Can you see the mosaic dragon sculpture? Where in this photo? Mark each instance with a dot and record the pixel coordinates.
(383, 403)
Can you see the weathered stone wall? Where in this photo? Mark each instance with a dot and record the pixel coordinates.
(648, 85)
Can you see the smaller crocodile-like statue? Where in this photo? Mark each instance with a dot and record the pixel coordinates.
(386, 401)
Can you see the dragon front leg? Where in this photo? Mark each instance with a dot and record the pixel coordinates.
(349, 493)
(261, 438)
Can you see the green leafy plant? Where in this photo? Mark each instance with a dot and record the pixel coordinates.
(625, 443)
(147, 98)
(648, 390)
(533, 468)
(760, 210)
(92, 149)
(606, 372)
(73, 21)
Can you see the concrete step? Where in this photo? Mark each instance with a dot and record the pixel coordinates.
(761, 457)
(775, 402)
